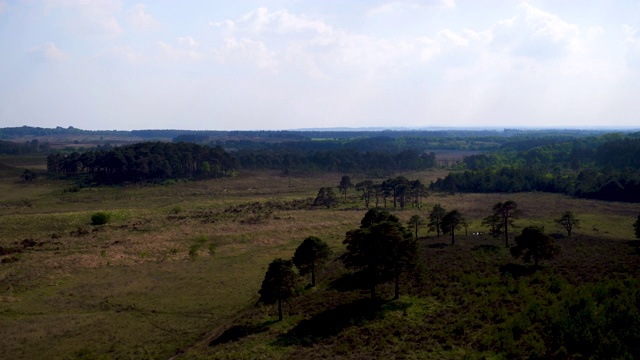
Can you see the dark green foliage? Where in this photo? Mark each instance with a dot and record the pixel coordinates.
(534, 244)
(310, 255)
(278, 283)
(100, 218)
(382, 248)
(507, 211)
(368, 189)
(568, 221)
(452, 221)
(435, 218)
(345, 184)
(28, 175)
(326, 197)
(494, 223)
(416, 222)
(605, 168)
(145, 162)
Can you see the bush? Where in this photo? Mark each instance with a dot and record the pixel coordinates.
(100, 218)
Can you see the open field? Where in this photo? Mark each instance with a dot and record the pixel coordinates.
(177, 265)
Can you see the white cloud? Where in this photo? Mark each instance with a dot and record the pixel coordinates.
(631, 45)
(280, 21)
(139, 18)
(91, 18)
(179, 54)
(48, 52)
(123, 53)
(398, 7)
(535, 33)
(246, 50)
(188, 40)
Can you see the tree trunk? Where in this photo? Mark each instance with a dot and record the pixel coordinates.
(313, 277)
(397, 290)
(373, 291)
(280, 309)
(453, 236)
(506, 233)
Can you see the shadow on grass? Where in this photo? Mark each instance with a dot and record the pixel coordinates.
(437, 246)
(517, 270)
(331, 322)
(635, 246)
(238, 332)
(485, 247)
(351, 281)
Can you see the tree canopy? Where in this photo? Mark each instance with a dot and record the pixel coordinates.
(311, 254)
(452, 221)
(534, 244)
(568, 221)
(381, 248)
(278, 283)
(435, 218)
(507, 211)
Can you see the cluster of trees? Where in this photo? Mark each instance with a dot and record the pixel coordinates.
(399, 190)
(615, 186)
(280, 279)
(28, 147)
(147, 161)
(604, 168)
(344, 160)
(381, 249)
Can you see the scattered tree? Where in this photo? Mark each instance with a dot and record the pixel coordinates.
(494, 223)
(326, 197)
(568, 221)
(381, 249)
(534, 244)
(28, 175)
(367, 189)
(636, 227)
(345, 184)
(451, 222)
(435, 218)
(310, 255)
(416, 222)
(278, 283)
(508, 212)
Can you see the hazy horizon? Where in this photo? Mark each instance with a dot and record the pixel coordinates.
(285, 64)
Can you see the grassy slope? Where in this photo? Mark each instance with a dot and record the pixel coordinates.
(146, 284)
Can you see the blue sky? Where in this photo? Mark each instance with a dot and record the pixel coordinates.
(112, 64)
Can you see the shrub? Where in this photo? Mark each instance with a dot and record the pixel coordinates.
(100, 218)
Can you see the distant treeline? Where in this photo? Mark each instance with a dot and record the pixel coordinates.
(29, 147)
(606, 168)
(149, 161)
(342, 160)
(206, 136)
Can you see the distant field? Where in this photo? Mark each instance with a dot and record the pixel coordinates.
(178, 264)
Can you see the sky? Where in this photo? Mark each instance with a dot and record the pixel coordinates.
(278, 64)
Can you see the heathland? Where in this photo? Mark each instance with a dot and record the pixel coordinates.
(175, 269)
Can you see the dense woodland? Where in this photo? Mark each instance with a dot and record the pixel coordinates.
(605, 168)
(148, 161)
